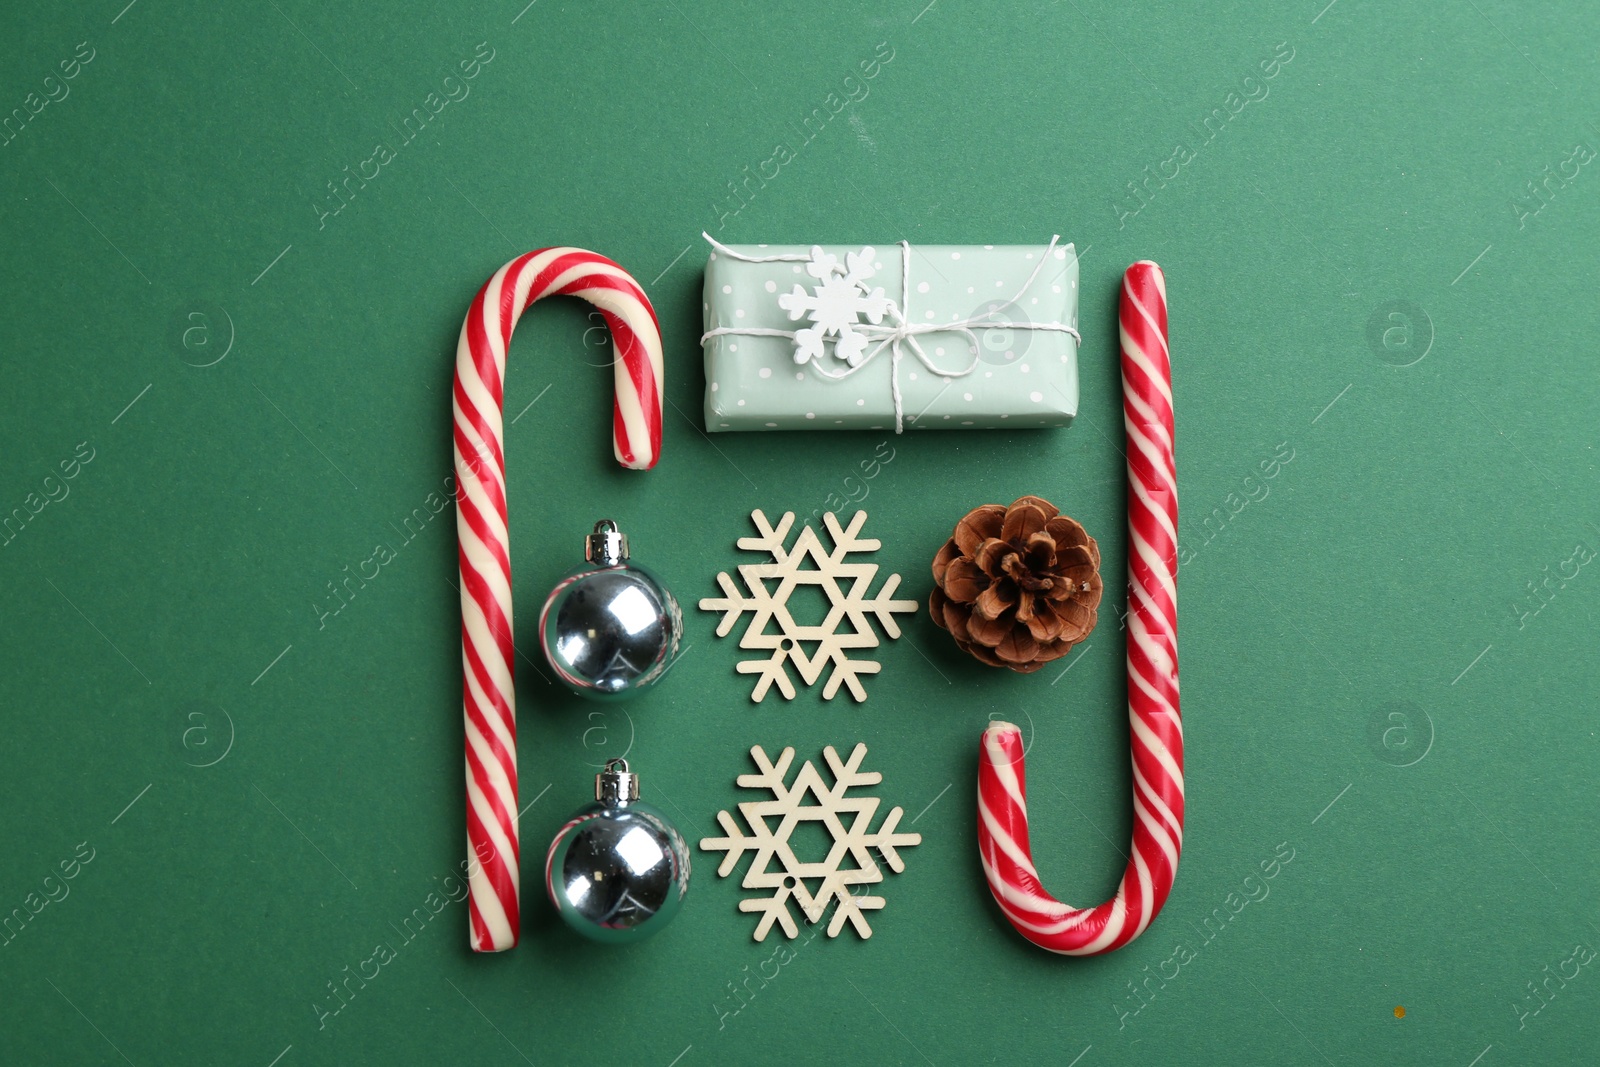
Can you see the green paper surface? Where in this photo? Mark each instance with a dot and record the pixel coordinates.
(223, 385)
(991, 377)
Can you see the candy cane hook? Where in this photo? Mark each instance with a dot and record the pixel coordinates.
(489, 697)
(1154, 727)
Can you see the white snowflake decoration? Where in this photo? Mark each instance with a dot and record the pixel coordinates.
(848, 822)
(836, 305)
(844, 584)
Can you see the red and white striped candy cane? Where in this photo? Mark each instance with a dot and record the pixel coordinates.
(1155, 730)
(489, 701)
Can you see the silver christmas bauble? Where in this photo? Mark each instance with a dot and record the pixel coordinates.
(618, 870)
(609, 628)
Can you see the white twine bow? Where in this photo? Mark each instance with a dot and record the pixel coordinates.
(889, 335)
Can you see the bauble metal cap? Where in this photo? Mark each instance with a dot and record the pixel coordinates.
(607, 546)
(615, 785)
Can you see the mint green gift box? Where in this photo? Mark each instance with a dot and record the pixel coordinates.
(1018, 304)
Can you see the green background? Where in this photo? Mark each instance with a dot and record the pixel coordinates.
(1360, 684)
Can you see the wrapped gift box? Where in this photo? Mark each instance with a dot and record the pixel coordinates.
(804, 337)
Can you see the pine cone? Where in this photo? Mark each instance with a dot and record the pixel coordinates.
(1017, 587)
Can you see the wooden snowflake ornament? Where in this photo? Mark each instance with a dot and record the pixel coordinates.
(810, 885)
(845, 585)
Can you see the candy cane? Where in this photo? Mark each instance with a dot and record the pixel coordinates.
(1155, 730)
(489, 700)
